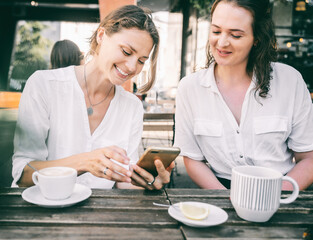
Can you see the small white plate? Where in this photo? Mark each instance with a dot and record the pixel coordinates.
(33, 195)
(216, 215)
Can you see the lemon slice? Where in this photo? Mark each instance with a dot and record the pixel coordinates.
(194, 212)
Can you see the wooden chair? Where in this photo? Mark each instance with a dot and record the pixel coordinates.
(160, 127)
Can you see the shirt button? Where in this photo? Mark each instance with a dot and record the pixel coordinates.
(238, 131)
(241, 156)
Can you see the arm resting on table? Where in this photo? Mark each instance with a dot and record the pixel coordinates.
(302, 171)
(201, 174)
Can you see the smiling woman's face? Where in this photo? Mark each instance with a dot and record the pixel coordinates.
(122, 55)
(231, 34)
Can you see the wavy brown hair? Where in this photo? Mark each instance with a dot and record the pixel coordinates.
(265, 49)
(127, 17)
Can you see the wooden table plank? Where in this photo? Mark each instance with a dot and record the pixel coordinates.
(87, 232)
(185, 192)
(79, 216)
(128, 193)
(243, 232)
(300, 205)
(121, 193)
(113, 199)
(279, 219)
(92, 202)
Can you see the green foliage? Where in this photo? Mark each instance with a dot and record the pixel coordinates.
(203, 6)
(30, 51)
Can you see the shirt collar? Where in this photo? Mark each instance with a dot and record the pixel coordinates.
(208, 79)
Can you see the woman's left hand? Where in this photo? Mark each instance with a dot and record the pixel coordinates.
(142, 178)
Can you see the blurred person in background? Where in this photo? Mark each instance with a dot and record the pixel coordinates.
(65, 53)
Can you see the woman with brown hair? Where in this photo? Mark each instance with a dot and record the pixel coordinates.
(244, 108)
(80, 116)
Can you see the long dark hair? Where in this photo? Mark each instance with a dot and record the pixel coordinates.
(126, 17)
(265, 49)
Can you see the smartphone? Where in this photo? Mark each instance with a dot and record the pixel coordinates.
(166, 154)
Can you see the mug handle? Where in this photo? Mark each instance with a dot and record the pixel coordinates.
(35, 178)
(295, 191)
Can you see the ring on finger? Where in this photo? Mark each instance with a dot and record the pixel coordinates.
(105, 170)
(150, 183)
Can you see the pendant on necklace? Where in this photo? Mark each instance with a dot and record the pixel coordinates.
(89, 111)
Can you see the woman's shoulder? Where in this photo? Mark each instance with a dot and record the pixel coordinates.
(195, 78)
(128, 104)
(59, 74)
(127, 96)
(283, 69)
(286, 77)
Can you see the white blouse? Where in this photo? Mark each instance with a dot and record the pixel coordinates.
(53, 123)
(207, 129)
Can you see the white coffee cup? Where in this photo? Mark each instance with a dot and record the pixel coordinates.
(255, 192)
(55, 183)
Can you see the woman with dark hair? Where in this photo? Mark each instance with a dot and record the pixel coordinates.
(80, 116)
(65, 53)
(244, 108)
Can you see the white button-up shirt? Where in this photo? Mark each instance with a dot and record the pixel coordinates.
(269, 128)
(53, 123)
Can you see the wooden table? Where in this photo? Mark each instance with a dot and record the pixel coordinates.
(130, 214)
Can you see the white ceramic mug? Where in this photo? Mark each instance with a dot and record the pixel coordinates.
(55, 183)
(255, 192)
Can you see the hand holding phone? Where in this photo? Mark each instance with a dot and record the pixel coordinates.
(166, 154)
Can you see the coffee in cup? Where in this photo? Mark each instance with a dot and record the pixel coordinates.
(255, 192)
(55, 183)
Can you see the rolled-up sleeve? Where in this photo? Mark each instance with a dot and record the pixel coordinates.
(32, 126)
(301, 136)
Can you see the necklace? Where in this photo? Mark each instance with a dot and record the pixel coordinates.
(90, 108)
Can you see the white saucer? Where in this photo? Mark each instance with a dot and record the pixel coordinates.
(33, 195)
(216, 215)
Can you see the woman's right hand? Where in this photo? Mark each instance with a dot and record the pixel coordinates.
(99, 163)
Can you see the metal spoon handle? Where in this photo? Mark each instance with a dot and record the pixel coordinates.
(161, 205)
